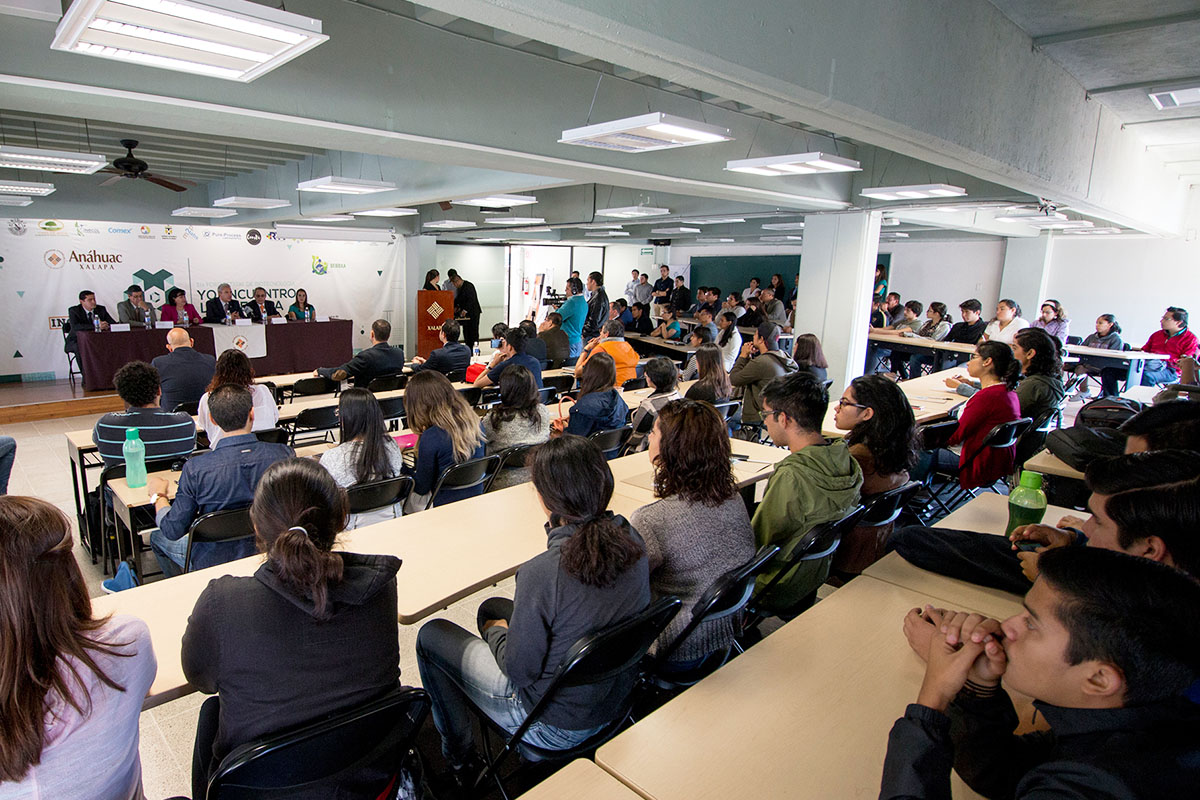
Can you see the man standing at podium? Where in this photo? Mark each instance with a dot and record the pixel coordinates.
(466, 308)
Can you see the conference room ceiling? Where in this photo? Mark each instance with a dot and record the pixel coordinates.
(1118, 50)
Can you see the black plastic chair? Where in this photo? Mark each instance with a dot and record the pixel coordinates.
(727, 595)
(1004, 435)
(387, 383)
(308, 387)
(272, 435)
(272, 388)
(472, 394)
(560, 383)
(365, 497)
(227, 525)
(191, 409)
(514, 457)
(597, 658)
(633, 384)
(393, 412)
(73, 367)
(547, 395)
(360, 751)
(311, 420)
(457, 375)
(886, 507)
(1034, 439)
(467, 475)
(1074, 340)
(610, 442)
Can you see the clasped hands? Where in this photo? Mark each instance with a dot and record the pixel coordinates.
(957, 647)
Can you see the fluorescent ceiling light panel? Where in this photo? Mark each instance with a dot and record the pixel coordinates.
(712, 220)
(603, 234)
(676, 230)
(50, 160)
(201, 211)
(603, 226)
(781, 238)
(287, 230)
(915, 192)
(499, 201)
(335, 184)
(15, 200)
(251, 202)
(230, 39)
(795, 164)
(1093, 231)
(387, 212)
(26, 188)
(1164, 99)
(449, 224)
(1030, 216)
(633, 212)
(515, 220)
(889, 222)
(644, 133)
(783, 226)
(330, 218)
(703, 240)
(893, 235)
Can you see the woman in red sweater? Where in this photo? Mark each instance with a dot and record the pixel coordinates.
(997, 370)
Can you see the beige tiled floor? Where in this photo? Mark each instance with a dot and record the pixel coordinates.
(43, 470)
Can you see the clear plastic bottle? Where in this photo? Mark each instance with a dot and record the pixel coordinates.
(308, 315)
(1027, 502)
(96, 323)
(135, 458)
(146, 319)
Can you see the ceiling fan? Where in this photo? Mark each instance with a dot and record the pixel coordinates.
(130, 166)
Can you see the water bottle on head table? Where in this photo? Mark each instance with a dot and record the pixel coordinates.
(135, 459)
(1027, 502)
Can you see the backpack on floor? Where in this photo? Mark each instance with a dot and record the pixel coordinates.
(1079, 446)
(1107, 412)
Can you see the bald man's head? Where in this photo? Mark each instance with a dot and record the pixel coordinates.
(178, 337)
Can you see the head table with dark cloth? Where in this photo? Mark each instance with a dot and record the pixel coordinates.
(294, 347)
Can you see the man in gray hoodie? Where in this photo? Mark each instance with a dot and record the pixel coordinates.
(760, 361)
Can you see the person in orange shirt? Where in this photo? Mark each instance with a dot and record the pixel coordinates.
(612, 341)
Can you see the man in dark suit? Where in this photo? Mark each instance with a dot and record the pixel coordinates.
(184, 373)
(452, 356)
(261, 308)
(223, 306)
(82, 318)
(466, 309)
(376, 361)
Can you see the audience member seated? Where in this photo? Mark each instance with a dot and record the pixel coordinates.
(558, 347)
(378, 360)
(818, 482)
(753, 289)
(1106, 647)
(301, 309)
(535, 348)
(810, 357)
(511, 353)
(619, 310)
(1052, 318)
(704, 319)
(730, 338)
(366, 453)
(73, 684)
(1172, 424)
(135, 311)
(711, 301)
(712, 385)
(669, 328)
(223, 306)
(1106, 337)
(698, 529)
(697, 338)
(452, 356)
(222, 478)
(996, 369)
(733, 304)
(310, 634)
(184, 372)
(260, 308)
(599, 406)
(772, 308)
(878, 318)
(753, 316)
(498, 331)
(662, 376)
(908, 321)
(640, 322)
(1041, 387)
(1004, 327)
(612, 341)
(1173, 340)
(519, 418)
(936, 328)
(83, 318)
(449, 434)
(592, 576)
(759, 363)
(233, 367)
(1144, 524)
(893, 308)
(165, 434)
(178, 310)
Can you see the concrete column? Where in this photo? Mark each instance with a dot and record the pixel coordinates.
(420, 255)
(1026, 273)
(837, 274)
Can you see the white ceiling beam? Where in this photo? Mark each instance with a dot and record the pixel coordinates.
(1115, 29)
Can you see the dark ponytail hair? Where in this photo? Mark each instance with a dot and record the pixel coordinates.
(891, 432)
(1047, 358)
(1112, 320)
(1004, 363)
(298, 512)
(576, 484)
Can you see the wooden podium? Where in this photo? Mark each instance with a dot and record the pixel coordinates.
(433, 308)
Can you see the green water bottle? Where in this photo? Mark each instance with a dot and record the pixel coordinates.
(1027, 502)
(135, 459)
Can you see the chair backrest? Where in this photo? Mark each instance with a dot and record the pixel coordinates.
(311, 386)
(1074, 340)
(610, 442)
(117, 471)
(730, 409)
(361, 748)
(546, 395)
(323, 418)
(936, 434)
(633, 384)
(727, 595)
(272, 435)
(387, 383)
(472, 394)
(457, 375)
(555, 364)
(272, 388)
(818, 543)
(514, 457)
(561, 383)
(885, 507)
(378, 494)
(1004, 435)
(392, 407)
(227, 525)
(1033, 439)
(467, 475)
(192, 408)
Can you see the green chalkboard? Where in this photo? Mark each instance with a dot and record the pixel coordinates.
(733, 273)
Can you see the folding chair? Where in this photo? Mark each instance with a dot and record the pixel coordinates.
(272, 435)
(610, 442)
(308, 387)
(1004, 435)
(73, 367)
(514, 457)
(560, 383)
(312, 420)
(226, 525)
(467, 475)
(364, 497)
(387, 383)
(191, 409)
(393, 412)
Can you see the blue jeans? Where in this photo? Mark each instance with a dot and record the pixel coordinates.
(576, 346)
(459, 671)
(1156, 372)
(8, 456)
(171, 553)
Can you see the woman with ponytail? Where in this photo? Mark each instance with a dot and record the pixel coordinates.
(593, 575)
(997, 372)
(311, 633)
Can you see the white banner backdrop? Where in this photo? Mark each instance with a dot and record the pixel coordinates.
(46, 263)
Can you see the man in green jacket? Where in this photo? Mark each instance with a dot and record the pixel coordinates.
(752, 373)
(819, 482)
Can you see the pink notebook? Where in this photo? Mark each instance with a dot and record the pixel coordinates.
(406, 440)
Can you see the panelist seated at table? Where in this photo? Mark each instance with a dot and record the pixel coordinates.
(184, 371)
(312, 633)
(260, 307)
(135, 310)
(164, 434)
(593, 575)
(222, 478)
(74, 683)
(177, 309)
(302, 310)
(511, 353)
(1105, 646)
(83, 318)
(452, 356)
(376, 361)
(223, 306)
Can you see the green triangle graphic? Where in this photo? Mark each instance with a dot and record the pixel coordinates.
(20, 294)
(379, 272)
(18, 354)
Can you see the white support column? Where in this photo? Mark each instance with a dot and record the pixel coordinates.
(837, 274)
(420, 255)
(1026, 273)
